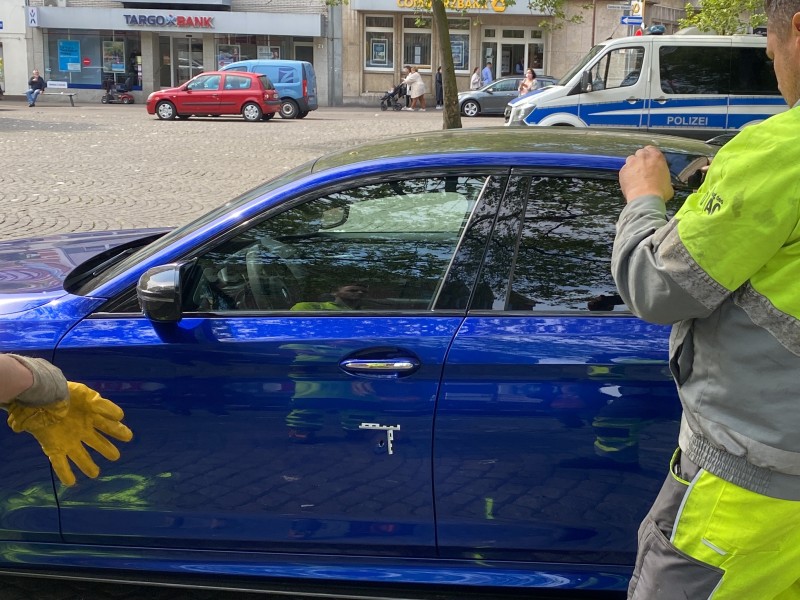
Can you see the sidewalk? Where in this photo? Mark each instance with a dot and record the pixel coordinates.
(96, 166)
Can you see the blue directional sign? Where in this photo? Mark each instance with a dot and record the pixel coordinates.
(631, 20)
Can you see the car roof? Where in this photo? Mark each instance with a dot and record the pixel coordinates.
(519, 140)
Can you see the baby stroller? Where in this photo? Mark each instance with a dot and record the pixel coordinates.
(392, 98)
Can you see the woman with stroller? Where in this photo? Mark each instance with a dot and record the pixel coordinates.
(416, 89)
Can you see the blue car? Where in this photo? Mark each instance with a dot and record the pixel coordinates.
(402, 365)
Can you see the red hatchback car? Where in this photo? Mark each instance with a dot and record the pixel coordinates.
(218, 93)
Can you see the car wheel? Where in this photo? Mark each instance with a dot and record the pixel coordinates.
(289, 109)
(267, 116)
(470, 108)
(302, 115)
(252, 112)
(165, 110)
(127, 100)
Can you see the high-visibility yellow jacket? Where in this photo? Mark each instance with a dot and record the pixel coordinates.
(725, 271)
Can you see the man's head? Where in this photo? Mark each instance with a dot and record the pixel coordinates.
(783, 45)
(488, 63)
(350, 295)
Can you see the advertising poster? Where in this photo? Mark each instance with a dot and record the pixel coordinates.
(379, 51)
(227, 54)
(69, 55)
(458, 55)
(114, 57)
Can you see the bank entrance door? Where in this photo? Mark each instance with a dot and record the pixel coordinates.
(181, 59)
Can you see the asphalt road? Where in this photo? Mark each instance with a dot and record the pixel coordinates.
(90, 167)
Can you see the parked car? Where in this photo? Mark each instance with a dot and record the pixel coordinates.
(403, 364)
(493, 98)
(216, 93)
(295, 81)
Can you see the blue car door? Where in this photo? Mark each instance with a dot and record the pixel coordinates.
(618, 89)
(291, 408)
(557, 413)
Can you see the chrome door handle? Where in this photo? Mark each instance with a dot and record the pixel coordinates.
(632, 100)
(391, 367)
(661, 100)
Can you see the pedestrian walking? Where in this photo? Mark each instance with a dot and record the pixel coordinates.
(475, 80)
(486, 75)
(725, 272)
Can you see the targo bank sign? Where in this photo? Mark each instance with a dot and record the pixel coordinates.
(170, 21)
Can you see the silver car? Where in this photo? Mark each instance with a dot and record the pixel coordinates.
(492, 99)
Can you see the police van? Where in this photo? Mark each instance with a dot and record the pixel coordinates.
(691, 85)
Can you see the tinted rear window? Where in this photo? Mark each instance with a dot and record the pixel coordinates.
(265, 81)
(704, 70)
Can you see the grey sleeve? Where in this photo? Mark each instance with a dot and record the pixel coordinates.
(49, 383)
(646, 262)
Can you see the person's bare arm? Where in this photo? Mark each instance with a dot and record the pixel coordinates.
(31, 381)
(15, 378)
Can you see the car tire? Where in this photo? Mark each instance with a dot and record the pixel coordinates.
(267, 116)
(470, 108)
(289, 109)
(252, 112)
(165, 110)
(302, 115)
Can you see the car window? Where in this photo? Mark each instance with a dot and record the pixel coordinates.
(752, 73)
(237, 82)
(266, 83)
(507, 85)
(695, 70)
(618, 68)
(204, 82)
(561, 249)
(388, 244)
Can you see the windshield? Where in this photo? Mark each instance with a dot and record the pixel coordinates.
(169, 238)
(579, 67)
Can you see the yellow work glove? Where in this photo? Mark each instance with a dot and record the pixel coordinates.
(64, 427)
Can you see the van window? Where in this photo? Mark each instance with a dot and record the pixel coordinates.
(618, 68)
(695, 69)
(752, 73)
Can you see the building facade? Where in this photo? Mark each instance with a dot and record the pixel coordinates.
(153, 44)
(382, 36)
(358, 49)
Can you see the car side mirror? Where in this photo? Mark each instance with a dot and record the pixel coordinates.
(159, 291)
(586, 82)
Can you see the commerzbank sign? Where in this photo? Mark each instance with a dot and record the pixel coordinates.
(493, 5)
(497, 7)
(149, 20)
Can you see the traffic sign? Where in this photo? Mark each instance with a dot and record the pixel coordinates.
(630, 20)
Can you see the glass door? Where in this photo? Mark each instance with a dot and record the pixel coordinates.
(189, 58)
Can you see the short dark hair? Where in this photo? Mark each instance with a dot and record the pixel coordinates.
(780, 13)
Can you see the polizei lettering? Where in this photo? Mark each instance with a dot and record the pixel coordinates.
(699, 121)
(170, 21)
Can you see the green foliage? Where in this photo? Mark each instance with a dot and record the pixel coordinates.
(557, 9)
(725, 17)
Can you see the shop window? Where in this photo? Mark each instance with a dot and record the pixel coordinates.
(417, 42)
(459, 42)
(89, 59)
(379, 42)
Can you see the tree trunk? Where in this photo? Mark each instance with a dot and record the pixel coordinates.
(451, 114)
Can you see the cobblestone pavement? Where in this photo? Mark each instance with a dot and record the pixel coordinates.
(87, 167)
